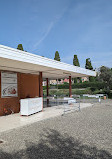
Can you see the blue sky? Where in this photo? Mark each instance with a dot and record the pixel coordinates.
(82, 27)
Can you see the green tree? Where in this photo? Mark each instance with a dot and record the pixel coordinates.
(76, 61)
(75, 80)
(57, 56)
(88, 64)
(20, 47)
(106, 77)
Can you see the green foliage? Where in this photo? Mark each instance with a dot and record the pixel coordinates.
(76, 61)
(94, 85)
(65, 83)
(106, 77)
(63, 86)
(20, 47)
(92, 79)
(110, 95)
(97, 85)
(57, 56)
(97, 77)
(75, 80)
(88, 64)
(80, 92)
(79, 88)
(65, 92)
(92, 89)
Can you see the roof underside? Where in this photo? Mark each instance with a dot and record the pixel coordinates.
(20, 61)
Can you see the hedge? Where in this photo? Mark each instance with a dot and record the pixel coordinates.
(97, 85)
(65, 92)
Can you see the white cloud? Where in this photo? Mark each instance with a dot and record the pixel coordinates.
(57, 18)
(45, 35)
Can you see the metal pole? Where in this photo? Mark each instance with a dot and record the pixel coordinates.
(70, 87)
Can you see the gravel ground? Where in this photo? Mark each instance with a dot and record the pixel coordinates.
(79, 135)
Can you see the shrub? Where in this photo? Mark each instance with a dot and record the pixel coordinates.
(92, 89)
(97, 85)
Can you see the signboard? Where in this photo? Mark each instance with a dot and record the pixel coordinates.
(8, 84)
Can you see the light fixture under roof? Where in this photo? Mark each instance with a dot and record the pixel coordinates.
(66, 73)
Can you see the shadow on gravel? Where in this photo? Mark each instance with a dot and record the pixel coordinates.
(53, 145)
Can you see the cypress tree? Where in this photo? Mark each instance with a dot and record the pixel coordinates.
(88, 64)
(20, 47)
(57, 56)
(76, 61)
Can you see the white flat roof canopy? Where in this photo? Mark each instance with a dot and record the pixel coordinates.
(24, 62)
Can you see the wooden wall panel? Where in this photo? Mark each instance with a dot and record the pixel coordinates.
(28, 85)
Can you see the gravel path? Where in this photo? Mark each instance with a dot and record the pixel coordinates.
(79, 135)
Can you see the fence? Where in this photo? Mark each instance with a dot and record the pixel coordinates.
(87, 98)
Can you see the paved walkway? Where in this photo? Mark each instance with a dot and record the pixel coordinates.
(15, 120)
